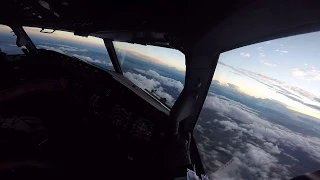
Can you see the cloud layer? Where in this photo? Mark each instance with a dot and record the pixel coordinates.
(62, 48)
(246, 55)
(76, 52)
(154, 85)
(292, 92)
(164, 80)
(142, 81)
(89, 59)
(282, 51)
(307, 74)
(257, 145)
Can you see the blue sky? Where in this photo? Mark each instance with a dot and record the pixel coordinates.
(289, 64)
(302, 51)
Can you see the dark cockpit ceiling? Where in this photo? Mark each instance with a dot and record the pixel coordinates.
(225, 23)
(85, 17)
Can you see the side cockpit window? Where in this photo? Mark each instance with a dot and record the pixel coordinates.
(261, 117)
(8, 41)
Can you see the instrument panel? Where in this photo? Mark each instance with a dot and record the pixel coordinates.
(104, 99)
(142, 129)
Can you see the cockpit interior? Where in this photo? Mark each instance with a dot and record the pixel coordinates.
(64, 114)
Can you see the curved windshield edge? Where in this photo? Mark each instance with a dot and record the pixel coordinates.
(157, 70)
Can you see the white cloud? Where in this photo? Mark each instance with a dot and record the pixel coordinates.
(151, 85)
(70, 48)
(199, 128)
(164, 80)
(271, 148)
(293, 158)
(217, 163)
(62, 48)
(161, 93)
(246, 55)
(140, 71)
(142, 81)
(287, 90)
(262, 59)
(51, 48)
(73, 49)
(261, 164)
(268, 63)
(89, 59)
(261, 147)
(261, 55)
(254, 160)
(85, 58)
(229, 125)
(223, 149)
(281, 51)
(251, 124)
(308, 74)
(268, 42)
(230, 109)
(259, 158)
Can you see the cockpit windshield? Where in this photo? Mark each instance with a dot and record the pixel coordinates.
(89, 49)
(157, 70)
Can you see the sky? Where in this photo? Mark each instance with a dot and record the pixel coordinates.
(5, 28)
(286, 70)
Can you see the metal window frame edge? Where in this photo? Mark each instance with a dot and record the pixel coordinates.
(22, 37)
(113, 55)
